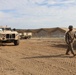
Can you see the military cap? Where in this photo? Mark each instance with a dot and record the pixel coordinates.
(70, 27)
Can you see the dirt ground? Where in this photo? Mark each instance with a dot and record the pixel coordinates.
(37, 57)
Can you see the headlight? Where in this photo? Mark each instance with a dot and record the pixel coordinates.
(2, 35)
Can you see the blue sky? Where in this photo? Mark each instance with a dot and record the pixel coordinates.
(31, 14)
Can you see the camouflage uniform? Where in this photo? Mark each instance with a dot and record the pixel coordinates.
(69, 38)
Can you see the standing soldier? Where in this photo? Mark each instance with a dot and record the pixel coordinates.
(69, 38)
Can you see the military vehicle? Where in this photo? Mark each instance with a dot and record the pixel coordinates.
(26, 35)
(8, 35)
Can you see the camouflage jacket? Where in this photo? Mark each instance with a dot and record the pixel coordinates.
(69, 37)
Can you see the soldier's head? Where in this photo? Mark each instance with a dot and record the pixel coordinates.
(70, 27)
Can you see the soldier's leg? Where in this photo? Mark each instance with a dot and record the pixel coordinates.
(71, 48)
(68, 49)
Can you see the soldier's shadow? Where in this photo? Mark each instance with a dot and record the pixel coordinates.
(59, 45)
(49, 56)
(63, 45)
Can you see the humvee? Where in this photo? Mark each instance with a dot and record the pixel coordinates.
(8, 35)
(26, 35)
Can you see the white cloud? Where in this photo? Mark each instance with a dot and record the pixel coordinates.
(38, 1)
(60, 2)
(52, 2)
(28, 14)
(5, 15)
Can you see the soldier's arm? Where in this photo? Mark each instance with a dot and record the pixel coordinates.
(66, 37)
(75, 35)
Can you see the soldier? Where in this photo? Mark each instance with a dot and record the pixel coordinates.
(69, 38)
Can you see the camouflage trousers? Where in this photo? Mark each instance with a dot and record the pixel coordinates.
(70, 48)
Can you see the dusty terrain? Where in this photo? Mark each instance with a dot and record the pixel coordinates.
(37, 57)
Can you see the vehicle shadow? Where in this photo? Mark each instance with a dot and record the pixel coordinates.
(5, 44)
(50, 56)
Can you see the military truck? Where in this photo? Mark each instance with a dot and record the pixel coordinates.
(8, 35)
(26, 35)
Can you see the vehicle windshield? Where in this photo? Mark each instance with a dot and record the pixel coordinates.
(7, 28)
(2, 29)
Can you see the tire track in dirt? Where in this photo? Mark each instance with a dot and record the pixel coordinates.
(34, 57)
(10, 64)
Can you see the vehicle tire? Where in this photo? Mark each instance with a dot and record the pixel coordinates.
(16, 42)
